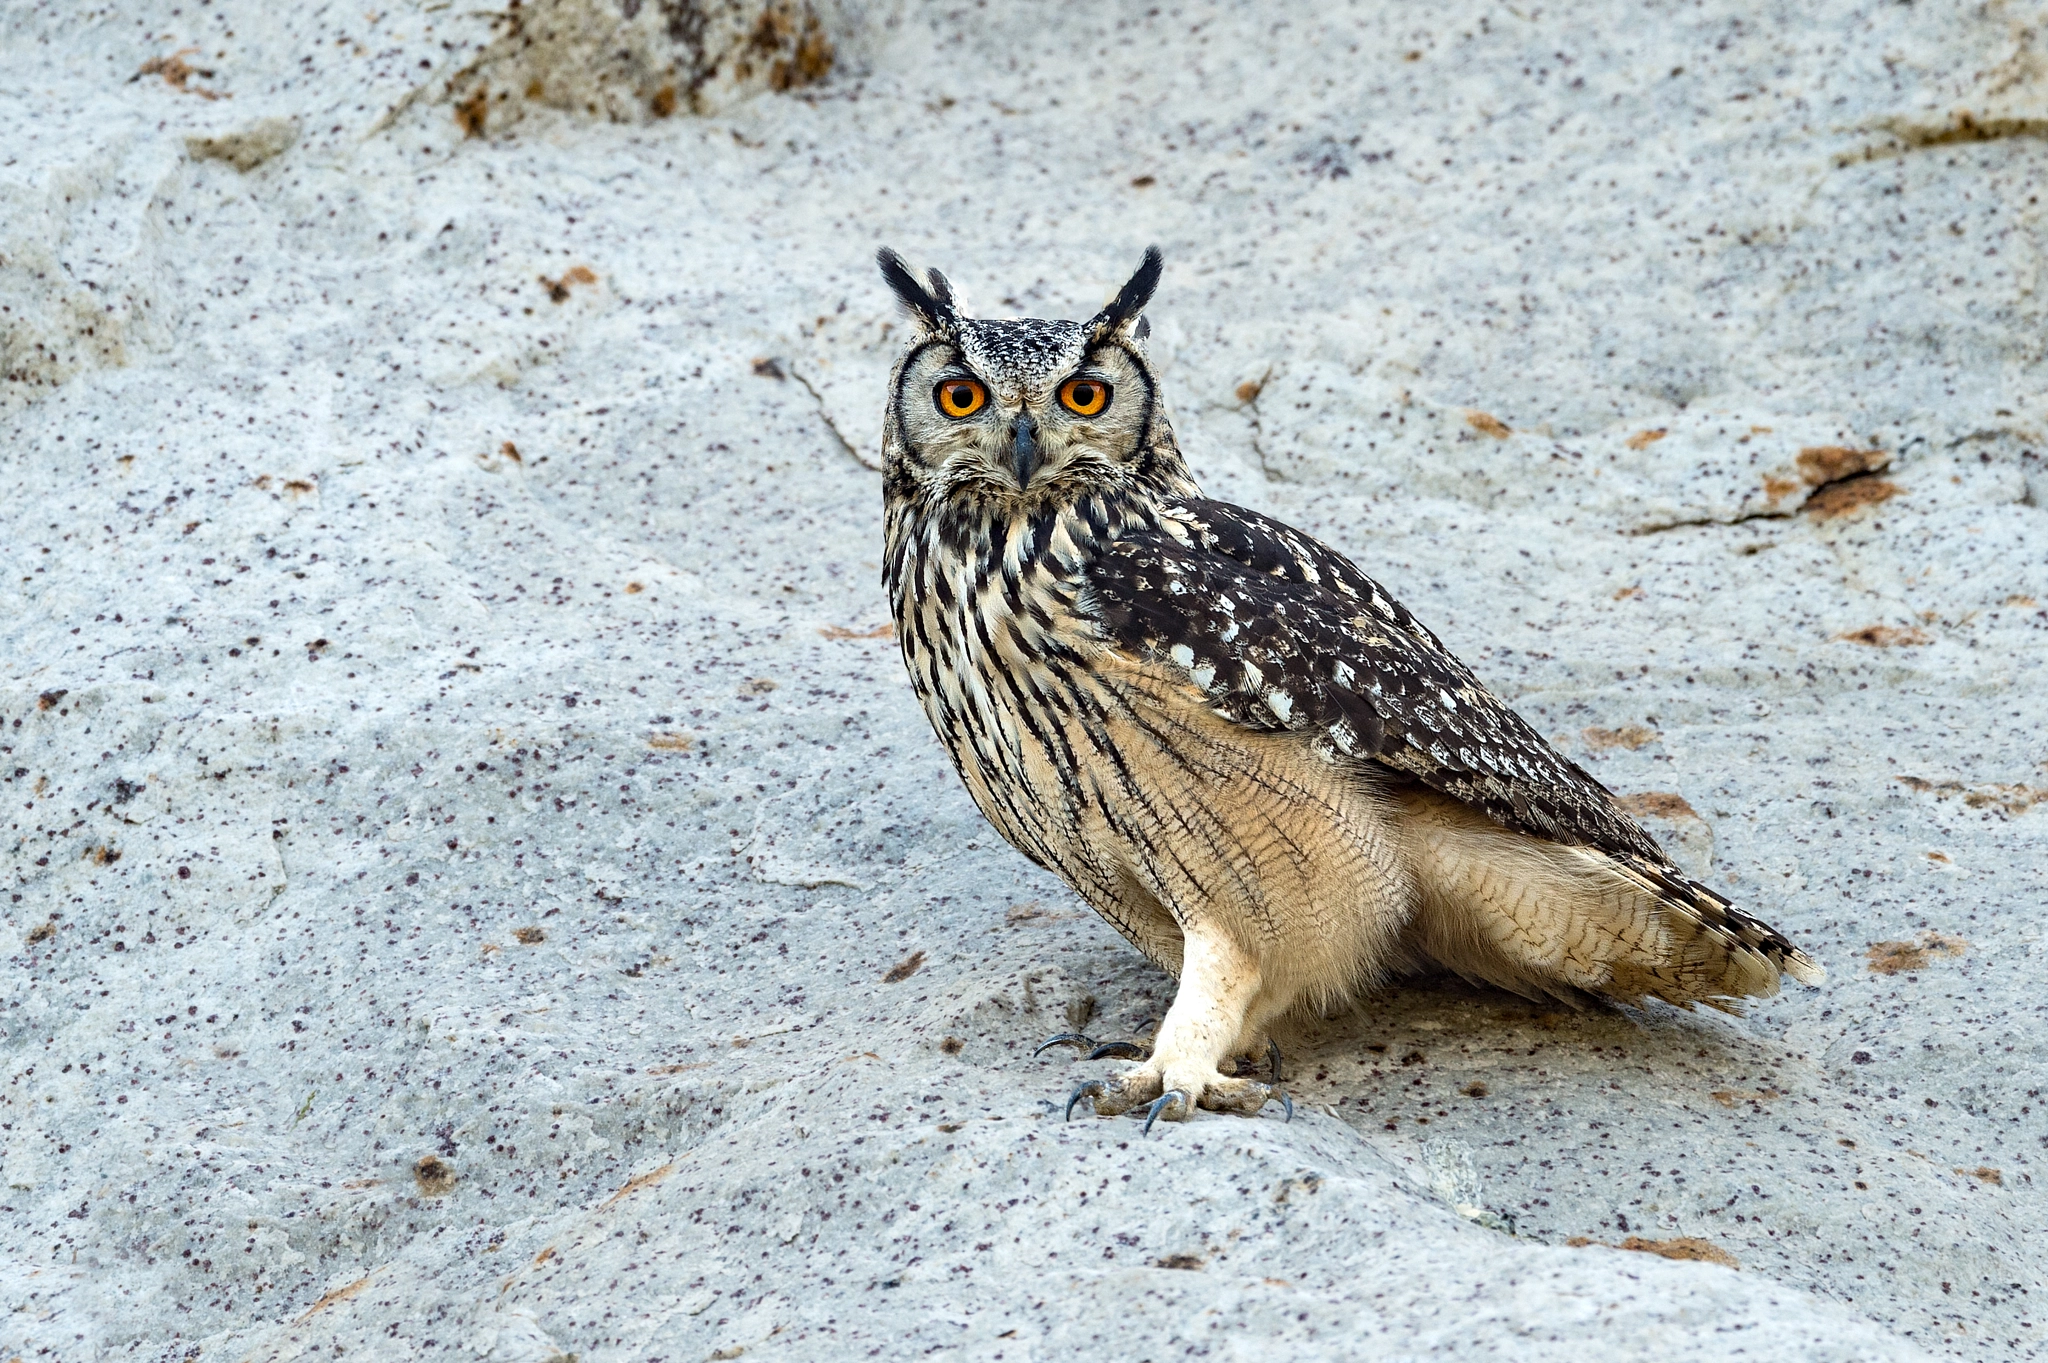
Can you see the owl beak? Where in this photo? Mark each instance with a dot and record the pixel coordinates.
(1025, 455)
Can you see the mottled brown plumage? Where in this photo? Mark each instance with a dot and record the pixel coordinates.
(1242, 751)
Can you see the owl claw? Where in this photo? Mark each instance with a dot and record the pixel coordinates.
(1063, 1039)
(1287, 1103)
(1087, 1088)
(1273, 1054)
(1120, 1050)
(1162, 1103)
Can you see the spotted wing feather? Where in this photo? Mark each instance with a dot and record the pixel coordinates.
(1283, 633)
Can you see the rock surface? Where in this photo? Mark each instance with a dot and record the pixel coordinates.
(479, 886)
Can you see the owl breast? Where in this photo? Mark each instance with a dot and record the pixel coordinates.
(1118, 777)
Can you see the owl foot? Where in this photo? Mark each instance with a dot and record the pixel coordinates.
(1272, 1058)
(1108, 1050)
(1146, 1085)
(1173, 1102)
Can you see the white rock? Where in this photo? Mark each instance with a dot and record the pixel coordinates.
(408, 790)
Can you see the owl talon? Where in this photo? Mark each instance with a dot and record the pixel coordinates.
(1273, 1054)
(1087, 1088)
(1120, 1050)
(1177, 1099)
(1287, 1103)
(1064, 1039)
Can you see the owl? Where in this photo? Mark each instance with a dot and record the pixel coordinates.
(1248, 757)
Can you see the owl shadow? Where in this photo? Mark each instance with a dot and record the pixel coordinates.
(1433, 1039)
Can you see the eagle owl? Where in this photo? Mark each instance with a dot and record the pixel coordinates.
(1266, 773)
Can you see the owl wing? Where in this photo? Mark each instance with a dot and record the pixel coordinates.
(1283, 633)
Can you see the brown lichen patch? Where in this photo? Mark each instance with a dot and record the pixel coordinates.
(333, 1298)
(635, 588)
(841, 632)
(435, 1177)
(904, 968)
(1686, 1247)
(2018, 600)
(636, 1183)
(1032, 911)
(1475, 1089)
(1642, 440)
(952, 1045)
(558, 289)
(663, 102)
(2008, 799)
(48, 699)
(1487, 424)
(1657, 804)
(1630, 736)
(529, 936)
(1778, 489)
(768, 367)
(1890, 958)
(2014, 799)
(1731, 1097)
(1917, 132)
(791, 40)
(471, 113)
(102, 856)
(1887, 636)
(1822, 464)
(679, 1068)
(1852, 494)
(1984, 1173)
(177, 73)
(42, 932)
(1249, 390)
(758, 686)
(671, 741)
(1184, 1261)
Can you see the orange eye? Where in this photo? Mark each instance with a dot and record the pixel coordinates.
(960, 397)
(1084, 397)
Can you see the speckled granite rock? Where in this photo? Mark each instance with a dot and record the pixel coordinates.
(478, 885)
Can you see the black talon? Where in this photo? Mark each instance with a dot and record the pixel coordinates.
(1287, 1103)
(1273, 1054)
(1087, 1088)
(1159, 1105)
(1120, 1050)
(1064, 1039)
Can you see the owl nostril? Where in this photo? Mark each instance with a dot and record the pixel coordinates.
(1024, 452)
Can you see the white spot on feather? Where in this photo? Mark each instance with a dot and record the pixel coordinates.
(1182, 655)
(1280, 703)
(1205, 677)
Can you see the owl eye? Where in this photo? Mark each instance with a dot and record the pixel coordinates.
(1084, 397)
(960, 397)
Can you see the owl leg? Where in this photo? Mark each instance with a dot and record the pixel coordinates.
(1219, 983)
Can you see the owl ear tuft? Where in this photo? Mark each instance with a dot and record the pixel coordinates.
(933, 309)
(1129, 304)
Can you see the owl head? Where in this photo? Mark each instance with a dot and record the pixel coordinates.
(1023, 413)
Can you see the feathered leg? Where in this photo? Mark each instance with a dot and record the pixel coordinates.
(1219, 984)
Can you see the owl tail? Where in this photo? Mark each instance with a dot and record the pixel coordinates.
(1542, 918)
